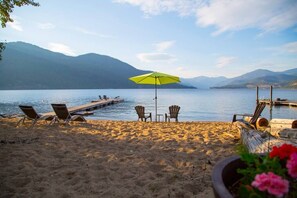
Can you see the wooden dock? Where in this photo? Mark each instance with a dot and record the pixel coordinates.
(86, 109)
(280, 102)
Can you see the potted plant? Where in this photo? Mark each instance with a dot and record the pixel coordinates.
(251, 175)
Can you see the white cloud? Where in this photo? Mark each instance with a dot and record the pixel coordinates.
(162, 46)
(46, 26)
(15, 25)
(291, 47)
(224, 61)
(58, 47)
(282, 49)
(155, 7)
(88, 32)
(227, 15)
(159, 55)
(84, 31)
(180, 69)
(152, 57)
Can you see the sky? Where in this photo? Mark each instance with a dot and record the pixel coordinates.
(187, 38)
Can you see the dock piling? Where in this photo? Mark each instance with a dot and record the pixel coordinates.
(257, 95)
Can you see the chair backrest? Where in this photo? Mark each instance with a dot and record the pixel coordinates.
(173, 111)
(29, 111)
(61, 111)
(140, 111)
(259, 108)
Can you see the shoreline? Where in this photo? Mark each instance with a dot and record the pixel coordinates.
(112, 158)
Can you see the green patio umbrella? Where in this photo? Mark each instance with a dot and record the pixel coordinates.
(155, 78)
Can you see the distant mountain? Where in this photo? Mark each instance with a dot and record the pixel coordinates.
(291, 72)
(203, 82)
(261, 78)
(246, 77)
(292, 85)
(26, 66)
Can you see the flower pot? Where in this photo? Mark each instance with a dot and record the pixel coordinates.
(224, 175)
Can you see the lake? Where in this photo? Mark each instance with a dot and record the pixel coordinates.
(196, 105)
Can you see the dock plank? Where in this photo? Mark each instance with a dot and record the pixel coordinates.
(91, 106)
(291, 103)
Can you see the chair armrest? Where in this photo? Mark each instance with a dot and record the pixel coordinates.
(245, 114)
(235, 115)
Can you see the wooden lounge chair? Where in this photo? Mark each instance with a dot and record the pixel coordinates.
(140, 110)
(254, 117)
(63, 114)
(30, 114)
(173, 113)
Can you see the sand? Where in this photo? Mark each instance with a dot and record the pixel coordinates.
(112, 158)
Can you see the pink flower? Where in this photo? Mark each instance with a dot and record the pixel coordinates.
(292, 165)
(261, 182)
(274, 184)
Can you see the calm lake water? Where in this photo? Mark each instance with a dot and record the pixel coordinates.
(196, 105)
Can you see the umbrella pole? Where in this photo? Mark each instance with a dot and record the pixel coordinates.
(156, 98)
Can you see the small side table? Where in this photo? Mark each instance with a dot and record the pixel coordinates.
(159, 116)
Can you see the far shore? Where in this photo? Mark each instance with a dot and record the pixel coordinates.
(112, 158)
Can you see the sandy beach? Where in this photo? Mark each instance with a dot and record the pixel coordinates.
(112, 158)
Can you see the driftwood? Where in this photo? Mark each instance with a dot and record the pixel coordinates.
(279, 124)
(257, 141)
(288, 133)
(261, 122)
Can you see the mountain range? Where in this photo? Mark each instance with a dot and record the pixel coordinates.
(26, 66)
(260, 77)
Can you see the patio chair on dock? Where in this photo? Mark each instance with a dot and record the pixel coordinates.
(63, 114)
(173, 113)
(31, 114)
(140, 110)
(254, 117)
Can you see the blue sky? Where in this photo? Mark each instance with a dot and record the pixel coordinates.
(187, 38)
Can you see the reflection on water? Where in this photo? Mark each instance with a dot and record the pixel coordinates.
(195, 104)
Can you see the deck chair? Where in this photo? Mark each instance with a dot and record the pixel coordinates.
(31, 114)
(63, 114)
(173, 113)
(254, 117)
(140, 110)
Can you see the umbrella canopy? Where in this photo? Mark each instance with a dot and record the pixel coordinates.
(155, 78)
